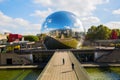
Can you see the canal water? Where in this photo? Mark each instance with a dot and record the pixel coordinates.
(19, 74)
(104, 73)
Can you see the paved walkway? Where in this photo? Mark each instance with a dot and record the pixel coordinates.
(101, 65)
(18, 66)
(56, 70)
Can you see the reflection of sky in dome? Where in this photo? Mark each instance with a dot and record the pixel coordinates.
(62, 20)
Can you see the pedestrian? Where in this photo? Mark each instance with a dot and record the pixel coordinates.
(63, 61)
(72, 66)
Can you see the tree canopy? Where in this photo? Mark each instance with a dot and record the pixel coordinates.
(102, 32)
(114, 34)
(31, 38)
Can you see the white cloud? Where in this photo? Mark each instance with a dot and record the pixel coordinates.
(116, 11)
(17, 25)
(4, 30)
(41, 14)
(49, 20)
(67, 27)
(107, 10)
(113, 24)
(78, 23)
(20, 21)
(78, 26)
(43, 2)
(80, 7)
(89, 21)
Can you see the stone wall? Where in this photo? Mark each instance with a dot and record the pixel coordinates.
(15, 59)
(114, 56)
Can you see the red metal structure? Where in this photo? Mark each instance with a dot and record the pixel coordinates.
(114, 35)
(14, 37)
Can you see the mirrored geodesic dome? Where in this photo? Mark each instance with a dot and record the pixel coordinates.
(61, 25)
(62, 20)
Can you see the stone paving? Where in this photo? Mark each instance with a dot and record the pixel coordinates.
(56, 70)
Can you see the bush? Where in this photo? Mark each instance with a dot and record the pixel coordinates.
(52, 43)
(71, 43)
(31, 38)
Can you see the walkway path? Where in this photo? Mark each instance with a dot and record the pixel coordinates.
(56, 70)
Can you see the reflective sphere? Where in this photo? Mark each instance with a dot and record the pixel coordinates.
(62, 20)
(64, 29)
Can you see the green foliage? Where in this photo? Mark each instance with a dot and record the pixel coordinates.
(56, 43)
(31, 38)
(100, 32)
(19, 74)
(11, 48)
(71, 42)
(103, 32)
(42, 36)
(91, 33)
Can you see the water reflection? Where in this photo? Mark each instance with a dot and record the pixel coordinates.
(112, 73)
(19, 74)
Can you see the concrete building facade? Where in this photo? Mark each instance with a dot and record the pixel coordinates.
(13, 59)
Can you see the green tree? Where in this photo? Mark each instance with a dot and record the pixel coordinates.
(42, 36)
(91, 33)
(100, 32)
(31, 38)
(118, 32)
(103, 32)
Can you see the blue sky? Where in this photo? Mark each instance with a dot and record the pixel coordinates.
(27, 16)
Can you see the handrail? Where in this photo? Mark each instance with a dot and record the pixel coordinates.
(81, 73)
(48, 64)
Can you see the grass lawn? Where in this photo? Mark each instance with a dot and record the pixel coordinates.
(19, 74)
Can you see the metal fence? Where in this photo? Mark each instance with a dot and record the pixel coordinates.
(81, 73)
(47, 66)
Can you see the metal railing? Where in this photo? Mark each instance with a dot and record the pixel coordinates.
(48, 64)
(81, 73)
